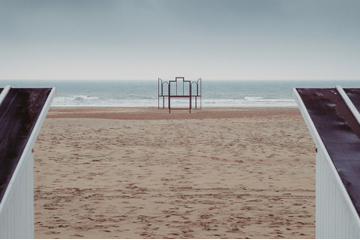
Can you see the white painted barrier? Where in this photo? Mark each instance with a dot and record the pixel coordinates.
(336, 216)
(17, 205)
(17, 210)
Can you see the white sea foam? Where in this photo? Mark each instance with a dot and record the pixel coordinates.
(84, 98)
(253, 98)
(97, 102)
(246, 102)
(249, 102)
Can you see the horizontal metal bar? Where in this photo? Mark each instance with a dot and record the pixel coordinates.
(181, 96)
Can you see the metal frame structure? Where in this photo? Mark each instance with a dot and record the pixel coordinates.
(190, 89)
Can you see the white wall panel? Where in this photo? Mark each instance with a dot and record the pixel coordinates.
(335, 214)
(17, 207)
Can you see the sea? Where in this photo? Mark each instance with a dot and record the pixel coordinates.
(145, 93)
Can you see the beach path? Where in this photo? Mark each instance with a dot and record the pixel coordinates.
(144, 173)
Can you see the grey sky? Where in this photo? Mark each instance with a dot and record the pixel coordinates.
(212, 39)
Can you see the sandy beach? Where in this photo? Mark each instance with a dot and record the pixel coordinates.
(145, 173)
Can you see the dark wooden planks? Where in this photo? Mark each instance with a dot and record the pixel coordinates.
(340, 134)
(18, 115)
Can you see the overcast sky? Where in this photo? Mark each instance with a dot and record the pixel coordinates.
(211, 39)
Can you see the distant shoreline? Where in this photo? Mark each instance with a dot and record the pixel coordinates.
(211, 107)
(153, 113)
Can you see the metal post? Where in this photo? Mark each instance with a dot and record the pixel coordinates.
(158, 95)
(169, 97)
(190, 97)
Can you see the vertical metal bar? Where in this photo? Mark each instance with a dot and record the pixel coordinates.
(200, 81)
(169, 94)
(164, 96)
(190, 97)
(197, 93)
(162, 93)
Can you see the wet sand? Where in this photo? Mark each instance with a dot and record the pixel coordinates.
(145, 173)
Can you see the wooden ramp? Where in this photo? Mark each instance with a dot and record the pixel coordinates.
(22, 113)
(332, 116)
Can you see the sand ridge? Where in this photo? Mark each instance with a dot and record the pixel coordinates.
(248, 175)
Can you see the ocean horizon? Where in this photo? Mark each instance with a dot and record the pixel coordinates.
(144, 93)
